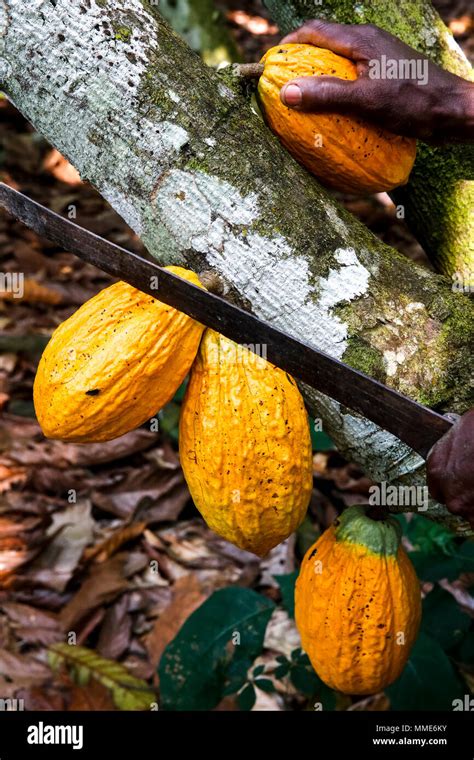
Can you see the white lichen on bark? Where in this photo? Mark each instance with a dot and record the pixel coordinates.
(208, 215)
(87, 82)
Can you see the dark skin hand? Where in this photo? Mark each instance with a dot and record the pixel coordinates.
(439, 111)
(450, 468)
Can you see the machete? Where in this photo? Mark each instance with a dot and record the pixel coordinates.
(414, 424)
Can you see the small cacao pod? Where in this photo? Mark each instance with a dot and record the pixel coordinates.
(358, 604)
(113, 364)
(245, 445)
(344, 152)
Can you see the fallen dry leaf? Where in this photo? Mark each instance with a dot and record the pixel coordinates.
(94, 697)
(13, 554)
(116, 630)
(268, 702)
(279, 561)
(281, 634)
(461, 26)
(320, 463)
(194, 544)
(188, 595)
(10, 476)
(20, 541)
(374, 702)
(33, 292)
(8, 362)
(102, 551)
(22, 670)
(102, 585)
(216, 563)
(60, 168)
(32, 625)
(72, 530)
(253, 24)
(48, 696)
(163, 501)
(27, 446)
(88, 625)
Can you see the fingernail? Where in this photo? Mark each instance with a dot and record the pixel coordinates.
(292, 95)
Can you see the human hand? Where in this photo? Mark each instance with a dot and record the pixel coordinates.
(450, 468)
(430, 103)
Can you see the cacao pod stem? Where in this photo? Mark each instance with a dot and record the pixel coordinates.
(249, 70)
(377, 513)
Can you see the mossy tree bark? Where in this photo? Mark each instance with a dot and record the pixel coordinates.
(179, 153)
(439, 198)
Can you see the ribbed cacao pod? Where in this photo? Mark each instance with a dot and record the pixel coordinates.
(113, 364)
(346, 153)
(245, 445)
(357, 603)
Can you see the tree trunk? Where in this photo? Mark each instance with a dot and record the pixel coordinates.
(178, 152)
(439, 197)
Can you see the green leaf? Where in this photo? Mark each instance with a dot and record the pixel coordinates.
(302, 658)
(443, 619)
(265, 684)
(229, 627)
(179, 395)
(128, 692)
(236, 675)
(326, 696)
(258, 670)
(169, 419)
(320, 440)
(287, 588)
(401, 518)
(428, 681)
(305, 680)
(466, 556)
(22, 408)
(437, 554)
(247, 697)
(434, 567)
(464, 652)
(306, 535)
(281, 671)
(429, 537)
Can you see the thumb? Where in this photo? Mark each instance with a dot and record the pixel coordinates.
(323, 93)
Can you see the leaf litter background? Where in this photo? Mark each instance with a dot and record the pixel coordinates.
(103, 540)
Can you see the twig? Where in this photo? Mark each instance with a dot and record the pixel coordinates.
(248, 70)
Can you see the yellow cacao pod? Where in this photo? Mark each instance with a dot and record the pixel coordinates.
(346, 153)
(113, 364)
(245, 445)
(357, 603)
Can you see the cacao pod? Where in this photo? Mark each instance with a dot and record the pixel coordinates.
(245, 445)
(357, 603)
(113, 364)
(346, 153)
